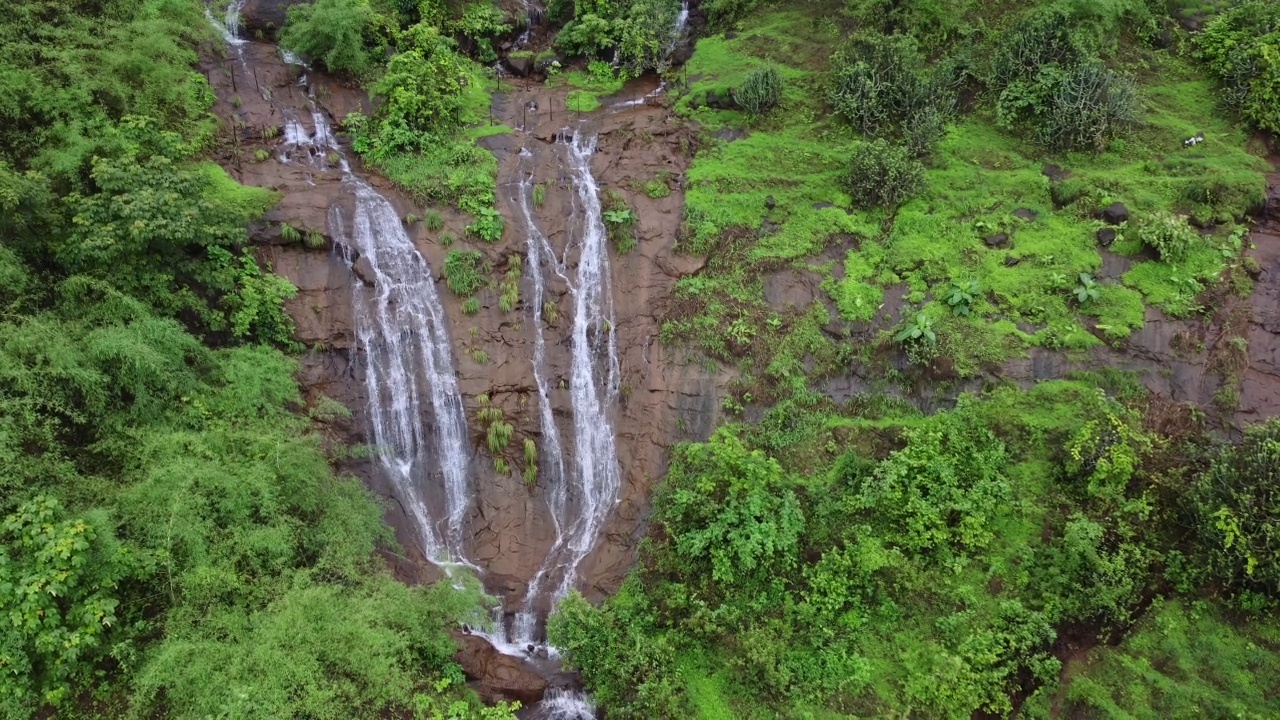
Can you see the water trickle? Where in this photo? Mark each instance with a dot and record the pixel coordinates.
(682, 20)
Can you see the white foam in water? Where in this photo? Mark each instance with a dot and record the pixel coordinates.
(564, 704)
(229, 26)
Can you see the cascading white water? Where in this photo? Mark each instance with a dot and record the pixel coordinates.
(564, 704)
(229, 26)
(682, 20)
(597, 477)
(538, 252)
(402, 328)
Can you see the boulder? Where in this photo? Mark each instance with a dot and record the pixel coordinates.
(1025, 214)
(364, 270)
(1106, 236)
(1115, 214)
(266, 15)
(717, 100)
(999, 240)
(520, 63)
(497, 676)
(770, 203)
(1010, 261)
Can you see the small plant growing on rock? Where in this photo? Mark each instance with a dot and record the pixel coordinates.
(1087, 290)
(479, 356)
(488, 226)
(539, 195)
(411, 218)
(289, 233)
(261, 155)
(511, 285)
(551, 312)
(314, 240)
(434, 221)
(464, 272)
(656, 189)
(334, 158)
(530, 462)
(1168, 234)
(918, 338)
(236, 102)
(619, 221)
(761, 91)
(960, 296)
(883, 175)
(470, 306)
(447, 239)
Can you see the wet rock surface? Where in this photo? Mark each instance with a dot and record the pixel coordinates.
(665, 397)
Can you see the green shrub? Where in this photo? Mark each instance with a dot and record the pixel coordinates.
(464, 272)
(1168, 234)
(883, 175)
(488, 226)
(422, 88)
(761, 91)
(881, 86)
(1237, 508)
(434, 221)
(338, 33)
(588, 35)
(1052, 86)
(1088, 106)
(1242, 48)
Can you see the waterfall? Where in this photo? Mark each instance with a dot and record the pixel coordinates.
(538, 251)
(400, 324)
(402, 329)
(596, 473)
(229, 26)
(682, 20)
(564, 704)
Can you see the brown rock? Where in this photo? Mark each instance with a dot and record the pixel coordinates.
(266, 15)
(364, 270)
(497, 676)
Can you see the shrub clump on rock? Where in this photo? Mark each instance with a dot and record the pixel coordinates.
(761, 91)
(881, 174)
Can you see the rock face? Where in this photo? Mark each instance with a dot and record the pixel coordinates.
(662, 399)
(266, 15)
(496, 676)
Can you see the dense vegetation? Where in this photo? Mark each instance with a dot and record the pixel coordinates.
(1081, 548)
(173, 541)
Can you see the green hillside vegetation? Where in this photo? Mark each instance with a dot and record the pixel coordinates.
(1077, 549)
(173, 541)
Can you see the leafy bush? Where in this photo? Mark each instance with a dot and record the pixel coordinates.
(421, 90)
(338, 33)
(883, 175)
(488, 226)
(60, 576)
(1087, 290)
(1242, 47)
(761, 91)
(464, 272)
(1237, 509)
(880, 84)
(588, 35)
(480, 23)
(1051, 85)
(1168, 234)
